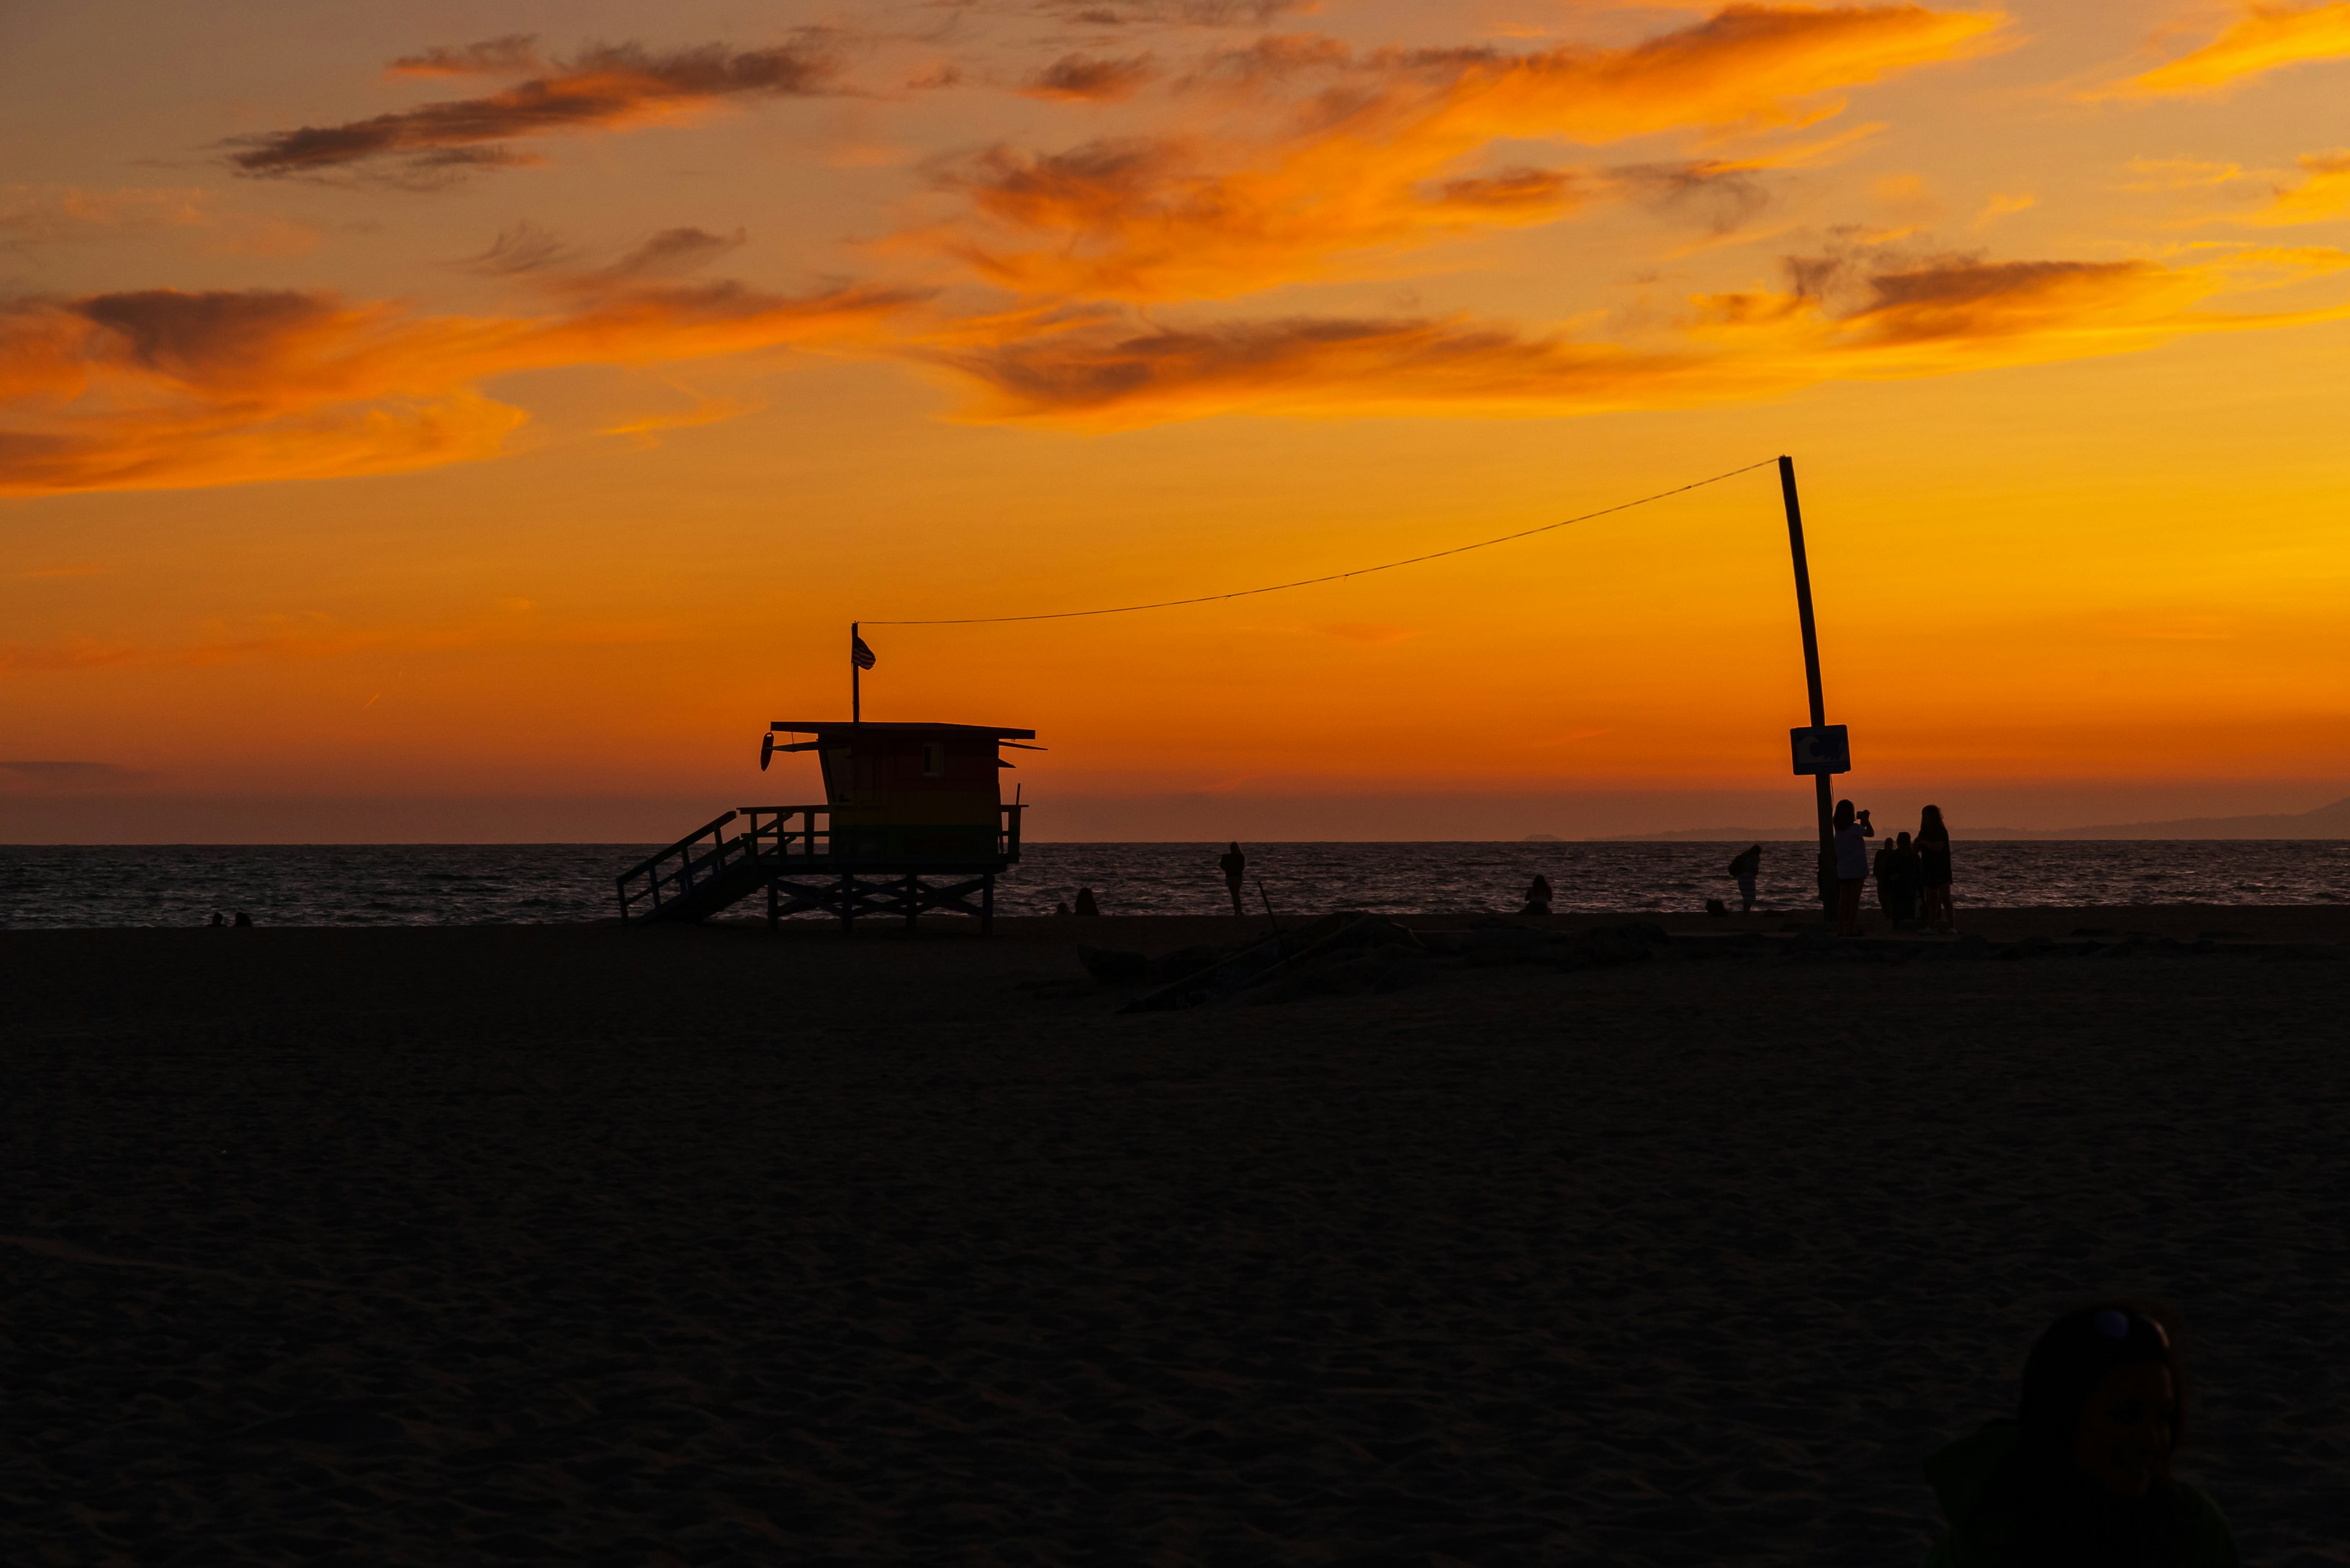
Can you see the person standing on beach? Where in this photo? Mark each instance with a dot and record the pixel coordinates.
(1903, 865)
(1745, 866)
(2082, 1475)
(1235, 865)
(1852, 834)
(1934, 869)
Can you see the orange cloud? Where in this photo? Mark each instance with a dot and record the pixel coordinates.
(1174, 13)
(1841, 321)
(2323, 195)
(602, 89)
(2267, 38)
(1084, 79)
(1377, 159)
(1266, 62)
(510, 56)
(161, 389)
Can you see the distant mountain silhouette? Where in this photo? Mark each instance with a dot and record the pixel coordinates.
(2326, 822)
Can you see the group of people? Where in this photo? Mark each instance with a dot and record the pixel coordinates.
(1912, 872)
(1913, 875)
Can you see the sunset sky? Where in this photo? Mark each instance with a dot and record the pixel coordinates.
(479, 420)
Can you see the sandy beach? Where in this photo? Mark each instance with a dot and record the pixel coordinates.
(578, 1244)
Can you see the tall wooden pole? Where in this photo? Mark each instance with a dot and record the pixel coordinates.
(1811, 666)
(856, 704)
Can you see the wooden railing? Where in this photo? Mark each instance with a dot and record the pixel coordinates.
(700, 854)
(773, 831)
(782, 833)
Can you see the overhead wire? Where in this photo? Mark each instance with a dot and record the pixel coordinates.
(1334, 577)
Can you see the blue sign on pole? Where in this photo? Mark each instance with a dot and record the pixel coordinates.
(1822, 748)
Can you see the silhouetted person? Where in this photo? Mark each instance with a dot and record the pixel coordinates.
(1086, 905)
(1537, 896)
(1746, 865)
(1934, 869)
(1062, 909)
(1902, 871)
(243, 918)
(1880, 866)
(1235, 865)
(219, 918)
(2081, 1476)
(1852, 834)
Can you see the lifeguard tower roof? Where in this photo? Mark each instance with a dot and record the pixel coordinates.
(835, 726)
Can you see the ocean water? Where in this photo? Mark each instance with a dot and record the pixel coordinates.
(406, 884)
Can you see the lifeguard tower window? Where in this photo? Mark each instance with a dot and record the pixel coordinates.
(934, 760)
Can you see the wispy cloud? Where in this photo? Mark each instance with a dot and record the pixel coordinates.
(36, 216)
(521, 247)
(600, 88)
(511, 55)
(1092, 79)
(2322, 195)
(163, 389)
(1265, 62)
(1727, 193)
(1173, 13)
(1840, 319)
(2264, 39)
(2179, 174)
(2004, 206)
(49, 213)
(1384, 155)
(673, 252)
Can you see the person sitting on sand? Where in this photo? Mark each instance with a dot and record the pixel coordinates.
(219, 918)
(1537, 896)
(1235, 867)
(1086, 905)
(1934, 869)
(1745, 866)
(2082, 1475)
(1851, 832)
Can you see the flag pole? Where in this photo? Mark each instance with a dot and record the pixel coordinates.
(856, 699)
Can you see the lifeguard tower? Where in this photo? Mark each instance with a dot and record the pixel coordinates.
(914, 820)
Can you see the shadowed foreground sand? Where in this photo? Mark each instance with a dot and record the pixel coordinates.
(583, 1245)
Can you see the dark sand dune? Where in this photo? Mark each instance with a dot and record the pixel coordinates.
(585, 1245)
